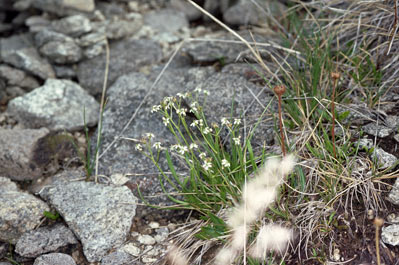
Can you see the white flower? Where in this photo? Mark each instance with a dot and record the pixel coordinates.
(157, 145)
(193, 146)
(194, 110)
(168, 102)
(226, 122)
(202, 156)
(182, 150)
(155, 108)
(237, 121)
(206, 92)
(237, 140)
(139, 147)
(174, 147)
(225, 163)
(198, 89)
(180, 95)
(181, 111)
(149, 136)
(194, 123)
(201, 123)
(165, 121)
(207, 130)
(207, 165)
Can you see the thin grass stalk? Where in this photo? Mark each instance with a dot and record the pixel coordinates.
(102, 105)
(335, 77)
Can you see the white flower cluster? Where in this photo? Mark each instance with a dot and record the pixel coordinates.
(180, 149)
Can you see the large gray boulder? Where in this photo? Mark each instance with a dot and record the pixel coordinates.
(124, 98)
(126, 56)
(99, 215)
(19, 212)
(57, 105)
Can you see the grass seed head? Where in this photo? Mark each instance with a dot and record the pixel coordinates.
(176, 257)
(225, 256)
(271, 237)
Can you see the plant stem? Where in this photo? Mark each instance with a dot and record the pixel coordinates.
(378, 222)
(335, 77)
(280, 90)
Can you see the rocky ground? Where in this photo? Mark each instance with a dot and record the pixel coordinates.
(52, 67)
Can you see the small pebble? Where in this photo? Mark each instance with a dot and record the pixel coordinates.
(146, 240)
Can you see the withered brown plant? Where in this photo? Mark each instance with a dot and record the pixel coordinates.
(280, 90)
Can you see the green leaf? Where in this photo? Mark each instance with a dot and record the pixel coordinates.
(51, 216)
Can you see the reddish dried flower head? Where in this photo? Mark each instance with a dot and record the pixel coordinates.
(378, 222)
(279, 90)
(335, 75)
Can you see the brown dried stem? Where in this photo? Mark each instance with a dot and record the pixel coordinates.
(280, 90)
(378, 222)
(335, 77)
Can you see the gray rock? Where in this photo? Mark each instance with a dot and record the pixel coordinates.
(55, 259)
(225, 48)
(393, 195)
(57, 105)
(165, 20)
(44, 240)
(44, 36)
(111, 9)
(37, 23)
(19, 51)
(57, 47)
(379, 131)
(126, 56)
(14, 91)
(188, 9)
(390, 235)
(91, 39)
(20, 212)
(246, 12)
(94, 50)
(20, 157)
(146, 240)
(5, 263)
(63, 71)
(74, 26)
(17, 77)
(243, 13)
(62, 52)
(22, 5)
(117, 28)
(65, 7)
(385, 159)
(117, 258)
(99, 215)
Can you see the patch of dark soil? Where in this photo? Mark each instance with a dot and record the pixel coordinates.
(389, 144)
